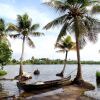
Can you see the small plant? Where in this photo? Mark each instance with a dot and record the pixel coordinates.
(2, 72)
(97, 74)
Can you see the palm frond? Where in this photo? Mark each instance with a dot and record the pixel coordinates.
(63, 31)
(7, 41)
(37, 33)
(66, 44)
(92, 36)
(15, 35)
(57, 5)
(63, 51)
(30, 42)
(12, 27)
(34, 27)
(58, 21)
(2, 25)
(82, 42)
(93, 27)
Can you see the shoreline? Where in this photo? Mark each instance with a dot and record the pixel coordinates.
(71, 92)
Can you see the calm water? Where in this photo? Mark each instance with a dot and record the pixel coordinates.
(47, 72)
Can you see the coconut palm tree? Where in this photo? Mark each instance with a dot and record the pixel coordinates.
(24, 29)
(65, 45)
(75, 19)
(3, 32)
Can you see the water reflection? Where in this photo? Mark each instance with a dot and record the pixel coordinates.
(0, 87)
(47, 72)
(41, 93)
(2, 92)
(98, 85)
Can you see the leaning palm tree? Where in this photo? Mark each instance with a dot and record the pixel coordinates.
(24, 28)
(65, 45)
(75, 19)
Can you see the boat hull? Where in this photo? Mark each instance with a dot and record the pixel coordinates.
(45, 85)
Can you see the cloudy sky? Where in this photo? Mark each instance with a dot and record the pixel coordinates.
(44, 46)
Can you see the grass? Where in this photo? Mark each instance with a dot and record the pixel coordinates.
(3, 72)
(97, 74)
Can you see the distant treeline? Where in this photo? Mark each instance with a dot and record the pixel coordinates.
(49, 61)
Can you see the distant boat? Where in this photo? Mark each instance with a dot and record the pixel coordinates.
(43, 85)
(36, 72)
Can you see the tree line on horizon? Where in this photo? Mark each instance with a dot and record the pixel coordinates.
(49, 61)
(74, 18)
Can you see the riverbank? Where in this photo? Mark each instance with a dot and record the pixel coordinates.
(71, 92)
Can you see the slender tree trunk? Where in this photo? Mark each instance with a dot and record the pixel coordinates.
(65, 61)
(62, 72)
(21, 59)
(79, 72)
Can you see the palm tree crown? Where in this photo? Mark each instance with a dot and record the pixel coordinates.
(66, 44)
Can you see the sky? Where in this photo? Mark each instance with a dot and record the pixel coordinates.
(44, 45)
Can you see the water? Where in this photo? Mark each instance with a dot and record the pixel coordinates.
(47, 72)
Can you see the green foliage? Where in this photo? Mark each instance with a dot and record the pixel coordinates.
(5, 53)
(98, 74)
(66, 44)
(96, 9)
(2, 72)
(50, 61)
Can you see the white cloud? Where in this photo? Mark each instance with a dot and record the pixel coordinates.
(7, 11)
(46, 0)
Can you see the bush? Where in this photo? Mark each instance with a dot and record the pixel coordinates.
(98, 74)
(2, 72)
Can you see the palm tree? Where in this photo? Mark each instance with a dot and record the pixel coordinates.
(65, 45)
(75, 19)
(3, 31)
(24, 29)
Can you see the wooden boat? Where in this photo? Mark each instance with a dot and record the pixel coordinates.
(43, 85)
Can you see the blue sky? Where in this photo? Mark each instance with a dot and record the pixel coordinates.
(42, 14)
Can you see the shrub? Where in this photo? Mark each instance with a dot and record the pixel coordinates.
(2, 72)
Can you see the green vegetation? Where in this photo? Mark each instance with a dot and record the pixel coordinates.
(50, 61)
(5, 54)
(97, 74)
(2, 72)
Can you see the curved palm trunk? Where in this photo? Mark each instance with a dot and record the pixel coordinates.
(21, 59)
(62, 72)
(79, 73)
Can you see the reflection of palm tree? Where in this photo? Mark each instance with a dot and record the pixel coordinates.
(24, 28)
(75, 19)
(65, 45)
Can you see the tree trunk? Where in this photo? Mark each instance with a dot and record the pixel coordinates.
(21, 59)
(79, 73)
(65, 61)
